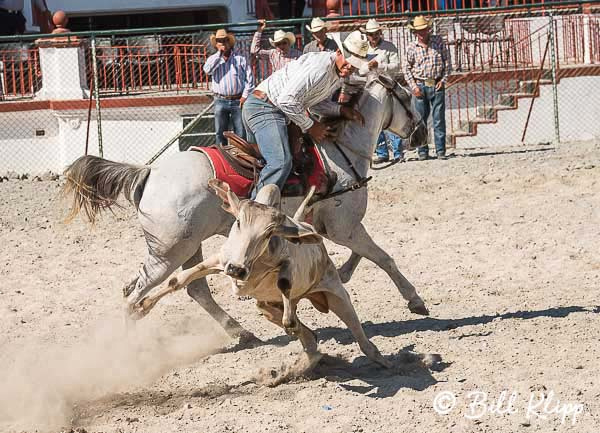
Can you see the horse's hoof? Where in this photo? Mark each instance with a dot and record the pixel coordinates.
(247, 340)
(418, 308)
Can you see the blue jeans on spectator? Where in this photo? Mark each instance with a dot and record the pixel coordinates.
(382, 150)
(434, 102)
(228, 115)
(266, 126)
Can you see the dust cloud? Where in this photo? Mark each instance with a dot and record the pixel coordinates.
(40, 383)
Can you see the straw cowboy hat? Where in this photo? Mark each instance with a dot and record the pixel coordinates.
(280, 35)
(371, 27)
(354, 48)
(316, 25)
(220, 34)
(419, 23)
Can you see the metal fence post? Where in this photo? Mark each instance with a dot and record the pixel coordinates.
(97, 97)
(552, 37)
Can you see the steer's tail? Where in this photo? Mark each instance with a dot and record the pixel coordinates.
(95, 184)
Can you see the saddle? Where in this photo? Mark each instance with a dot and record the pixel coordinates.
(245, 159)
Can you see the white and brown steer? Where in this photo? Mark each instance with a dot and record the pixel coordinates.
(277, 260)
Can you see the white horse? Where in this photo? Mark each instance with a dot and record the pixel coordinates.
(177, 210)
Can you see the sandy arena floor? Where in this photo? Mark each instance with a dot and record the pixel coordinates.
(502, 245)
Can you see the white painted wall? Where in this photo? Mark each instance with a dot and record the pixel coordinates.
(131, 135)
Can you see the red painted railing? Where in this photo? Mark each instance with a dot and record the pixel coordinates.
(20, 74)
(367, 7)
(126, 68)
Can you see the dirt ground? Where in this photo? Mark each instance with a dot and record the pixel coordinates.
(502, 245)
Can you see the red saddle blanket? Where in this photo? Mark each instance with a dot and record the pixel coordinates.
(242, 186)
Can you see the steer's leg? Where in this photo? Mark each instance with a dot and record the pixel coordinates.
(201, 270)
(339, 302)
(274, 313)
(200, 292)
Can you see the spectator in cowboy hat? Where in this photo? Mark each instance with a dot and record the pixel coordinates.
(383, 58)
(282, 52)
(426, 70)
(232, 82)
(321, 42)
(286, 96)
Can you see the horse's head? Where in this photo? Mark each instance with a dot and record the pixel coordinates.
(401, 119)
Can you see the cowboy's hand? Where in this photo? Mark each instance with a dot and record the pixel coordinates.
(439, 86)
(373, 64)
(319, 132)
(262, 25)
(417, 92)
(352, 114)
(242, 100)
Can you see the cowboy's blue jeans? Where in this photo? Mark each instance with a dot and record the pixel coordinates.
(382, 150)
(434, 102)
(266, 126)
(228, 114)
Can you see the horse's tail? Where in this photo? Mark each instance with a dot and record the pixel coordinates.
(95, 184)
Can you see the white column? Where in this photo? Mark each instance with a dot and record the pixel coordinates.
(63, 70)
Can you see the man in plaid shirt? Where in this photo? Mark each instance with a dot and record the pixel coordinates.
(283, 50)
(426, 70)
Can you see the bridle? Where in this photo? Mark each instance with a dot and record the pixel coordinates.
(392, 88)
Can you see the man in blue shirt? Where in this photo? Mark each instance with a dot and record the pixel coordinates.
(232, 82)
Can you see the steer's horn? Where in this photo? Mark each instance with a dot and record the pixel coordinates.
(299, 215)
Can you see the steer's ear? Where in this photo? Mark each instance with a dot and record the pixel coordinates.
(298, 232)
(231, 202)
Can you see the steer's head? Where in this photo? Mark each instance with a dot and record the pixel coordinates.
(257, 224)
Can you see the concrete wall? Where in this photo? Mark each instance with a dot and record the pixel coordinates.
(132, 135)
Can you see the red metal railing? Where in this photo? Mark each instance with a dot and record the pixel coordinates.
(20, 74)
(126, 68)
(367, 7)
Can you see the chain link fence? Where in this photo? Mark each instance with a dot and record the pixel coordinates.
(520, 75)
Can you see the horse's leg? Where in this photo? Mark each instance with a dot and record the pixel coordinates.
(361, 244)
(200, 292)
(347, 269)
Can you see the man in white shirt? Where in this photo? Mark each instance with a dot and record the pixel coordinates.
(383, 58)
(286, 96)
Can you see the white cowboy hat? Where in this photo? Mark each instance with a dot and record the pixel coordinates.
(419, 23)
(316, 25)
(220, 34)
(354, 48)
(371, 27)
(280, 35)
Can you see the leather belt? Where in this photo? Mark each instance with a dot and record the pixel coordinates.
(10, 11)
(262, 96)
(231, 98)
(428, 82)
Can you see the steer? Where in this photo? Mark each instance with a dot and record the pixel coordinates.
(277, 260)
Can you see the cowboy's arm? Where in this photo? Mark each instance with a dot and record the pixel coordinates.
(249, 86)
(410, 61)
(326, 108)
(392, 63)
(291, 102)
(255, 46)
(446, 62)
(212, 63)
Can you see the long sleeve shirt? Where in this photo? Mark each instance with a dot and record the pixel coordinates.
(432, 61)
(313, 47)
(276, 58)
(230, 78)
(387, 58)
(306, 83)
